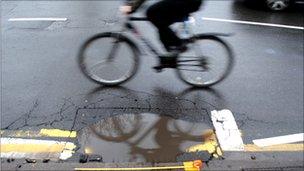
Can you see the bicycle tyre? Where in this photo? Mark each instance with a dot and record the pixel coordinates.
(228, 67)
(120, 38)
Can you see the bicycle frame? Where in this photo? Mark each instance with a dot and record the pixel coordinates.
(129, 26)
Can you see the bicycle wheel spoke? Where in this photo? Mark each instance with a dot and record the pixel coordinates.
(193, 65)
(212, 62)
(193, 70)
(190, 60)
(98, 64)
(186, 58)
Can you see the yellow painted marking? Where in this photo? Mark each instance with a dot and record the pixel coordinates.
(136, 168)
(210, 144)
(36, 148)
(20, 148)
(69, 146)
(32, 148)
(57, 133)
(187, 166)
(41, 133)
(281, 147)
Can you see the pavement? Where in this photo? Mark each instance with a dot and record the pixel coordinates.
(43, 88)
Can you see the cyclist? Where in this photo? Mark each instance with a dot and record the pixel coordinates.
(163, 14)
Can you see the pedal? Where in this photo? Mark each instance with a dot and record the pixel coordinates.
(166, 62)
(158, 69)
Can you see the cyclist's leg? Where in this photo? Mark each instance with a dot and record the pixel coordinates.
(160, 16)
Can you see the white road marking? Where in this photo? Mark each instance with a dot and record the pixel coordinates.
(227, 132)
(37, 19)
(279, 140)
(253, 23)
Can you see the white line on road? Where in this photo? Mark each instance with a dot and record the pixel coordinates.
(37, 19)
(227, 132)
(279, 140)
(253, 23)
(35, 149)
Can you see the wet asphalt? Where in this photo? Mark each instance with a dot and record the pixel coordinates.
(42, 86)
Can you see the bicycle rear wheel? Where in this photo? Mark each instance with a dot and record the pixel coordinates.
(208, 61)
(108, 58)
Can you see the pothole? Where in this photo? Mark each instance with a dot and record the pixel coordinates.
(144, 137)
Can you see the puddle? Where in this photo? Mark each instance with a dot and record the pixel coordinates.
(144, 137)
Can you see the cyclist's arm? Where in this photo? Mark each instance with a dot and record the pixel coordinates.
(135, 4)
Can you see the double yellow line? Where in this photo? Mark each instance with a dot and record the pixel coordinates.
(187, 166)
(13, 144)
(41, 133)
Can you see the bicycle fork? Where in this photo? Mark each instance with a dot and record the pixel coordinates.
(113, 50)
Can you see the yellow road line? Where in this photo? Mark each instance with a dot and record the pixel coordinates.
(57, 133)
(143, 168)
(187, 166)
(281, 147)
(41, 133)
(209, 144)
(31, 148)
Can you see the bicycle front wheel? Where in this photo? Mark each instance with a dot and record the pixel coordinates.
(208, 61)
(108, 58)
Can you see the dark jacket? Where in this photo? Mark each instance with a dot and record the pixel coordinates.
(135, 4)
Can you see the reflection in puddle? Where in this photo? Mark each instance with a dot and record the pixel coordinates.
(140, 138)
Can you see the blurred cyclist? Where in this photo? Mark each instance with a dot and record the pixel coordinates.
(163, 14)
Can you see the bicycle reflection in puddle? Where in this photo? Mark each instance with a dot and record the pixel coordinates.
(142, 137)
(124, 125)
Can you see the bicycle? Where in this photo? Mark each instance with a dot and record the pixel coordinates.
(192, 67)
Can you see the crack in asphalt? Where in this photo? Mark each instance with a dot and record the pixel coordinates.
(25, 116)
(243, 119)
(60, 113)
